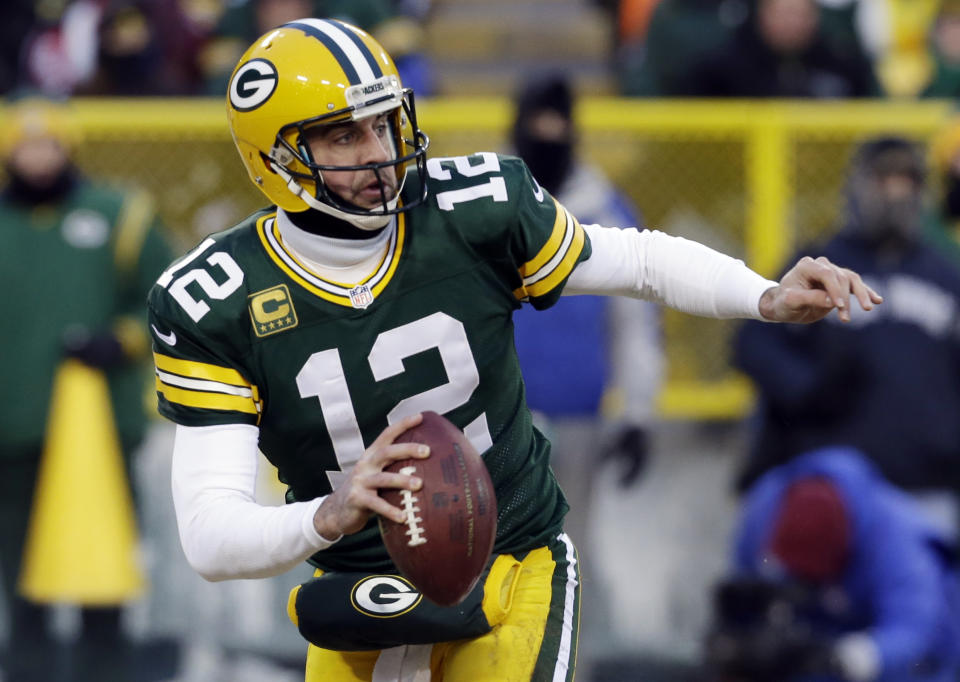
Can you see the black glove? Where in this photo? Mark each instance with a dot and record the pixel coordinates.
(629, 446)
(101, 349)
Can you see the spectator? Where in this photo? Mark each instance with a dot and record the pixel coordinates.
(18, 21)
(887, 384)
(781, 50)
(60, 51)
(945, 51)
(859, 583)
(402, 35)
(115, 47)
(896, 34)
(616, 350)
(145, 48)
(77, 259)
(633, 19)
(238, 25)
(397, 24)
(657, 52)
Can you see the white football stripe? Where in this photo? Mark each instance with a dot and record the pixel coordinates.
(203, 385)
(563, 656)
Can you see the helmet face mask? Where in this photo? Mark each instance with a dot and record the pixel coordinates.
(292, 152)
(308, 75)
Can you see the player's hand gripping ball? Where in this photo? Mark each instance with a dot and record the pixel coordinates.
(443, 545)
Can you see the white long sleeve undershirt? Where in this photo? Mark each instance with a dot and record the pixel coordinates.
(226, 534)
(676, 272)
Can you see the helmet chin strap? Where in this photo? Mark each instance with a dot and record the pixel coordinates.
(363, 222)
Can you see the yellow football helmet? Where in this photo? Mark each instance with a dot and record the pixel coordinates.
(315, 72)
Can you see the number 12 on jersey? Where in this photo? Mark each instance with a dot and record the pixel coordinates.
(323, 377)
(495, 187)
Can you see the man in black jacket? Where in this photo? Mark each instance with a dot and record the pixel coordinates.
(783, 50)
(888, 384)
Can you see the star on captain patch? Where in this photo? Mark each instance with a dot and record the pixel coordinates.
(361, 296)
(271, 310)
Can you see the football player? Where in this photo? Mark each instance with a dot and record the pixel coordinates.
(377, 285)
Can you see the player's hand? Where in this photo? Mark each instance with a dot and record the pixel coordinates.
(811, 289)
(347, 509)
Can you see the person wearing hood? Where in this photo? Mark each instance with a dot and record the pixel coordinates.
(864, 583)
(887, 384)
(617, 356)
(594, 391)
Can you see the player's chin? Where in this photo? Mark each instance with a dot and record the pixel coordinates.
(372, 198)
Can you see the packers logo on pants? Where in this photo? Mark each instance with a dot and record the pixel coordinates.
(384, 596)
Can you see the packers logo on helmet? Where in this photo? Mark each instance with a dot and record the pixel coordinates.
(316, 72)
(252, 84)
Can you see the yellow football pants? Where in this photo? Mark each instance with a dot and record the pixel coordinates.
(536, 606)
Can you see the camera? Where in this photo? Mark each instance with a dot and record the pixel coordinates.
(760, 633)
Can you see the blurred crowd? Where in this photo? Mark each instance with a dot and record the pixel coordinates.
(175, 47)
(659, 48)
(789, 48)
(850, 482)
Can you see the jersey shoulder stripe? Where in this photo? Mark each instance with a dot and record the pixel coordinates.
(556, 259)
(202, 385)
(200, 370)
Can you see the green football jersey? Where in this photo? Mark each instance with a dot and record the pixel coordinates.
(245, 333)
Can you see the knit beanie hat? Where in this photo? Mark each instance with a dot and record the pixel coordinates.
(811, 534)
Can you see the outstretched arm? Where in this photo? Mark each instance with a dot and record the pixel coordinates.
(693, 278)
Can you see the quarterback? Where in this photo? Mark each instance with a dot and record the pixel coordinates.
(379, 284)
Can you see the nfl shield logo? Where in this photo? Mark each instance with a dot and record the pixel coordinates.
(361, 296)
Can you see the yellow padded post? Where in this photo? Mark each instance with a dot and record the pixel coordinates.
(82, 541)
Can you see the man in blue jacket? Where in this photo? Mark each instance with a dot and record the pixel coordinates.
(881, 580)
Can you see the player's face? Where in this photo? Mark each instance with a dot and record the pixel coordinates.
(891, 206)
(354, 143)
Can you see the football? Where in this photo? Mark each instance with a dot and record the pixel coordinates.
(443, 545)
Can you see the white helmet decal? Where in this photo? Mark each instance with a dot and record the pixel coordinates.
(252, 84)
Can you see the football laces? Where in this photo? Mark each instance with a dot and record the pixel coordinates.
(409, 505)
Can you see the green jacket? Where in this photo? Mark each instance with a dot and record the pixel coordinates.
(88, 260)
